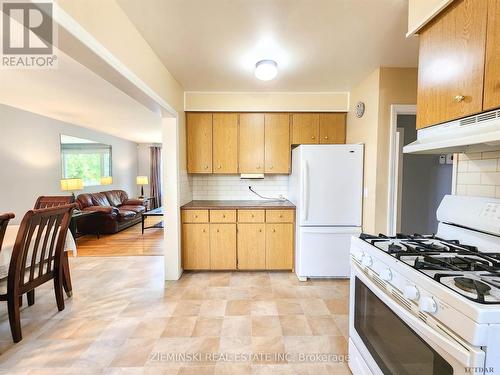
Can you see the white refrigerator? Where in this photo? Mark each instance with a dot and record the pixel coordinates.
(326, 185)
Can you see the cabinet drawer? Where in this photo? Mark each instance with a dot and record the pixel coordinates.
(251, 216)
(280, 216)
(222, 216)
(194, 216)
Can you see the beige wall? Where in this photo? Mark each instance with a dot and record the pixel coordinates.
(381, 89)
(262, 101)
(421, 11)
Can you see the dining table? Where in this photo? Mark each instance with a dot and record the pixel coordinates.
(8, 246)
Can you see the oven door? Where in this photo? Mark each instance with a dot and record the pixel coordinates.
(385, 338)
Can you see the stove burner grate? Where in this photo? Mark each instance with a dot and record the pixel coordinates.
(472, 286)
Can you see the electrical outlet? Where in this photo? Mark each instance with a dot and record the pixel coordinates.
(449, 159)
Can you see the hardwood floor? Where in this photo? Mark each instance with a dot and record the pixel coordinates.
(127, 242)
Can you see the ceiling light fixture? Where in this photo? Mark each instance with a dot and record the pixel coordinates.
(266, 70)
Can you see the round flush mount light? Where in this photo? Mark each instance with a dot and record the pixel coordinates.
(266, 70)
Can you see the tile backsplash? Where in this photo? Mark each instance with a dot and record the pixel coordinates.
(230, 187)
(478, 174)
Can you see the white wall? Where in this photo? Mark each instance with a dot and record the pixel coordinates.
(217, 187)
(30, 162)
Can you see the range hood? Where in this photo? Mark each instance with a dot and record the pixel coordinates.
(471, 134)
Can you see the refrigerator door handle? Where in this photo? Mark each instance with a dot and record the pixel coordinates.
(305, 191)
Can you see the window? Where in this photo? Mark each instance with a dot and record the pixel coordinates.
(85, 159)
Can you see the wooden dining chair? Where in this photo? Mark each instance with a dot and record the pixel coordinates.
(4, 221)
(36, 259)
(45, 201)
(52, 201)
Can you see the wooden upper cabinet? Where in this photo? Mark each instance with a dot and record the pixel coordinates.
(451, 64)
(332, 128)
(492, 66)
(225, 143)
(251, 147)
(277, 143)
(199, 142)
(305, 128)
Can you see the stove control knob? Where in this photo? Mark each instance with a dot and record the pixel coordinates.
(411, 292)
(367, 260)
(386, 274)
(428, 305)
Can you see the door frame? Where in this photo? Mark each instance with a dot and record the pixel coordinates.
(393, 181)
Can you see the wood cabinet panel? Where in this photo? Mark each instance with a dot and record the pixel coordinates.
(332, 128)
(251, 146)
(194, 216)
(222, 216)
(451, 64)
(251, 216)
(199, 142)
(251, 246)
(222, 246)
(280, 216)
(305, 128)
(492, 66)
(279, 246)
(196, 246)
(225, 143)
(277, 143)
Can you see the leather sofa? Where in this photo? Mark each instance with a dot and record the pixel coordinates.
(116, 211)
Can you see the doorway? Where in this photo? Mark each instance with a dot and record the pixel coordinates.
(418, 184)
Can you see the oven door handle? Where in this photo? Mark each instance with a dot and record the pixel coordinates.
(462, 352)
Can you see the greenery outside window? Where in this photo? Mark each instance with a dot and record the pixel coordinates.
(85, 159)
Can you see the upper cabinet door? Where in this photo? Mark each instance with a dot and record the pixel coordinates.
(251, 148)
(492, 68)
(277, 143)
(225, 143)
(451, 64)
(199, 142)
(305, 128)
(332, 128)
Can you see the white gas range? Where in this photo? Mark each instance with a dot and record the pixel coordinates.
(429, 304)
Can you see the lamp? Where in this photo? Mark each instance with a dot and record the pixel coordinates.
(106, 180)
(142, 180)
(71, 184)
(266, 70)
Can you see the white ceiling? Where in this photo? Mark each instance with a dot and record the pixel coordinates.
(74, 94)
(320, 45)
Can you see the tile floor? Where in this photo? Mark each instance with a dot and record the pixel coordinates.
(121, 320)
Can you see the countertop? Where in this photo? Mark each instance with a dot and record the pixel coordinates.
(235, 205)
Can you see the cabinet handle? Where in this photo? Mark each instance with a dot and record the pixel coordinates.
(326, 137)
(260, 230)
(274, 230)
(218, 167)
(217, 231)
(196, 216)
(223, 216)
(459, 98)
(203, 230)
(252, 215)
(206, 166)
(258, 167)
(313, 137)
(281, 216)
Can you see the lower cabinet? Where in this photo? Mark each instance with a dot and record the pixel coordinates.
(279, 242)
(251, 240)
(252, 246)
(196, 246)
(222, 246)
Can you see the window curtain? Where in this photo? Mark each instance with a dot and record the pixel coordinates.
(156, 175)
